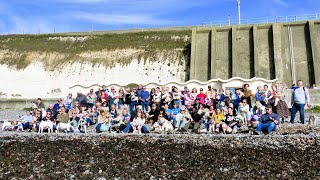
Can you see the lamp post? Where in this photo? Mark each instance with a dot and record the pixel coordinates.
(239, 19)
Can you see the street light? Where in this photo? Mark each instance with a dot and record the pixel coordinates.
(239, 19)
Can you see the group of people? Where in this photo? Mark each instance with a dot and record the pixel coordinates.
(139, 110)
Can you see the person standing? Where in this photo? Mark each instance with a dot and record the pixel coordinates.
(247, 94)
(300, 97)
(144, 97)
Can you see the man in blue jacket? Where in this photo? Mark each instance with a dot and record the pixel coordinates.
(144, 97)
(268, 121)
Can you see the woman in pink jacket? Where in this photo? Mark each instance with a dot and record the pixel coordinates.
(187, 98)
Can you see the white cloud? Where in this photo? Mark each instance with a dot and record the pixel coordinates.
(281, 3)
(120, 19)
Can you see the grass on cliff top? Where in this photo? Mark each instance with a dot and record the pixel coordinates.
(149, 41)
(158, 40)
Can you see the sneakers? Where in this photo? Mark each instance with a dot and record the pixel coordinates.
(203, 131)
(258, 133)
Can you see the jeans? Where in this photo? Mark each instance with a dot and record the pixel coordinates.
(128, 127)
(207, 124)
(132, 107)
(270, 126)
(145, 105)
(180, 123)
(98, 128)
(234, 129)
(89, 121)
(119, 104)
(26, 125)
(295, 108)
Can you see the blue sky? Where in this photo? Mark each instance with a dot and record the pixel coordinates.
(32, 16)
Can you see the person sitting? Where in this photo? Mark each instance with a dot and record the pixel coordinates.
(138, 122)
(63, 116)
(244, 111)
(219, 118)
(152, 116)
(182, 119)
(174, 112)
(113, 112)
(196, 120)
(230, 122)
(104, 122)
(74, 119)
(27, 120)
(268, 121)
(126, 119)
(209, 118)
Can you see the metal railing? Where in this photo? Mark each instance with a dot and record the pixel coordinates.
(293, 18)
(209, 23)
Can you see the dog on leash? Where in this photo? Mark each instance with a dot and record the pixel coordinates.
(44, 124)
(166, 125)
(65, 127)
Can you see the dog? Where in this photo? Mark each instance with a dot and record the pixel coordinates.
(157, 127)
(136, 126)
(312, 120)
(66, 127)
(44, 124)
(82, 125)
(165, 125)
(242, 114)
(6, 125)
(212, 128)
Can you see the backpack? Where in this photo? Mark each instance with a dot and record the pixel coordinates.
(304, 89)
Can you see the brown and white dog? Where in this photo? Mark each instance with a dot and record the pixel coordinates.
(6, 125)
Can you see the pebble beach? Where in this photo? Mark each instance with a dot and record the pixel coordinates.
(291, 152)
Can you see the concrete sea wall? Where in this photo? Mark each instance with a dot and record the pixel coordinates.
(262, 50)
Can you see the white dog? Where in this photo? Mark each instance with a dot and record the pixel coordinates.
(136, 127)
(5, 125)
(44, 124)
(166, 125)
(212, 128)
(66, 127)
(137, 124)
(157, 127)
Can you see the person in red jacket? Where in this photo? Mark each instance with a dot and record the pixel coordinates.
(202, 97)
